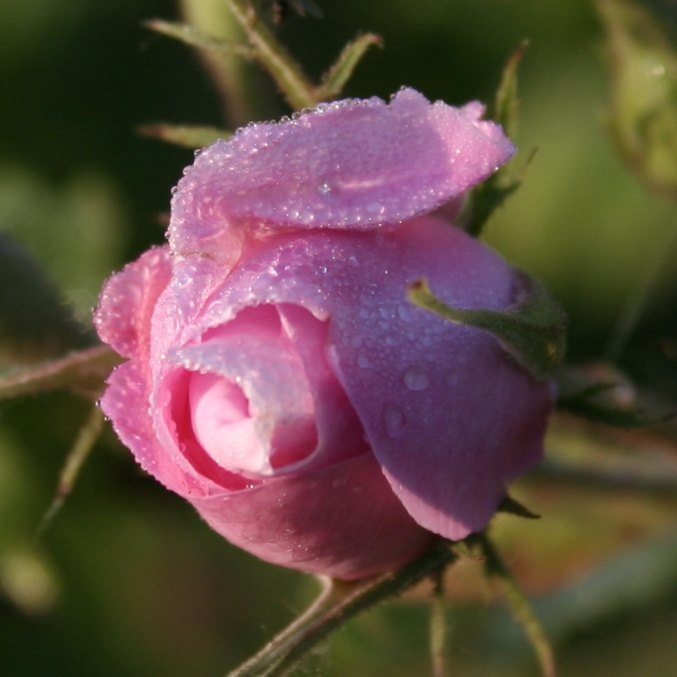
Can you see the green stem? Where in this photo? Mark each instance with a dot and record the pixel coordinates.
(79, 453)
(519, 605)
(438, 627)
(335, 607)
(297, 89)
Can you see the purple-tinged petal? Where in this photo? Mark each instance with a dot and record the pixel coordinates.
(128, 300)
(342, 521)
(125, 403)
(447, 413)
(349, 164)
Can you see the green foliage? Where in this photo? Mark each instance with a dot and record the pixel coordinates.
(643, 115)
(532, 330)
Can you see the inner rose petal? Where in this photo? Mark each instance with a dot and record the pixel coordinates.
(249, 401)
(223, 425)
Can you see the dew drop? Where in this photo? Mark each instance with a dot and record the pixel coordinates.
(363, 361)
(394, 421)
(406, 312)
(416, 379)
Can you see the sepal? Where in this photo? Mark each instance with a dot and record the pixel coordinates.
(532, 330)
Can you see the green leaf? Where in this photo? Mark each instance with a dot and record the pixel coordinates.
(512, 507)
(520, 606)
(190, 35)
(643, 114)
(532, 330)
(186, 136)
(493, 192)
(506, 103)
(338, 75)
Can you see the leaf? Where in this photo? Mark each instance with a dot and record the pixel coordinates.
(521, 608)
(491, 194)
(512, 507)
(506, 103)
(187, 136)
(643, 114)
(338, 75)
(532, 330)
(190, 35)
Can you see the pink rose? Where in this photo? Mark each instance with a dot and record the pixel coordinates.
(277, 377)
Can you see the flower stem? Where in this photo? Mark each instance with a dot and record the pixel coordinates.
(84, 443)
(338, 603)
(288, 75)
(438, 627)
(519, 605)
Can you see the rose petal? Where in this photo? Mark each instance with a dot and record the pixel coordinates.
(125, 402)
(127, 302)
(348, 164)
(448, 415)
(342, 521)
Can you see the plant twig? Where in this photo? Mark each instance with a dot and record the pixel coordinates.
(334, 608)
(520, 606)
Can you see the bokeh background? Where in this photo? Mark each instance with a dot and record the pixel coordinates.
(126, 581)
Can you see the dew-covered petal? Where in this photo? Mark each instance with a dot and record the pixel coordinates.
(448, 415)
(277, 423)
(127, 302)
(342, 521)
(126, 403)
(348, 164)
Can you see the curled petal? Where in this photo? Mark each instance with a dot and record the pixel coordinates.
(127, 302)
(349, 164)
(342, 521)
(449, 416)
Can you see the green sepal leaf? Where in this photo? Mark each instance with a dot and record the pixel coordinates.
(84, 372)
(485, 200)
(532, 330)
(493, 192)
(512, 507)
(338, 75)
(506, 102)
(643, 114)
(522, 610)
(186, 136)
(190, 35)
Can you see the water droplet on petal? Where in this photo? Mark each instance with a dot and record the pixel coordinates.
(416, 379)
(363, 361)
(394, 421)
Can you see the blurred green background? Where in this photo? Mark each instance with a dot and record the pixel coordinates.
(126, 581)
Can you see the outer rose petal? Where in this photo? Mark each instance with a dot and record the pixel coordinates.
(348, 164)
(342, 521)
(127, 302)
(447, 413)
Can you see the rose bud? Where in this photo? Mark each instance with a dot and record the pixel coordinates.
(277, 376)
